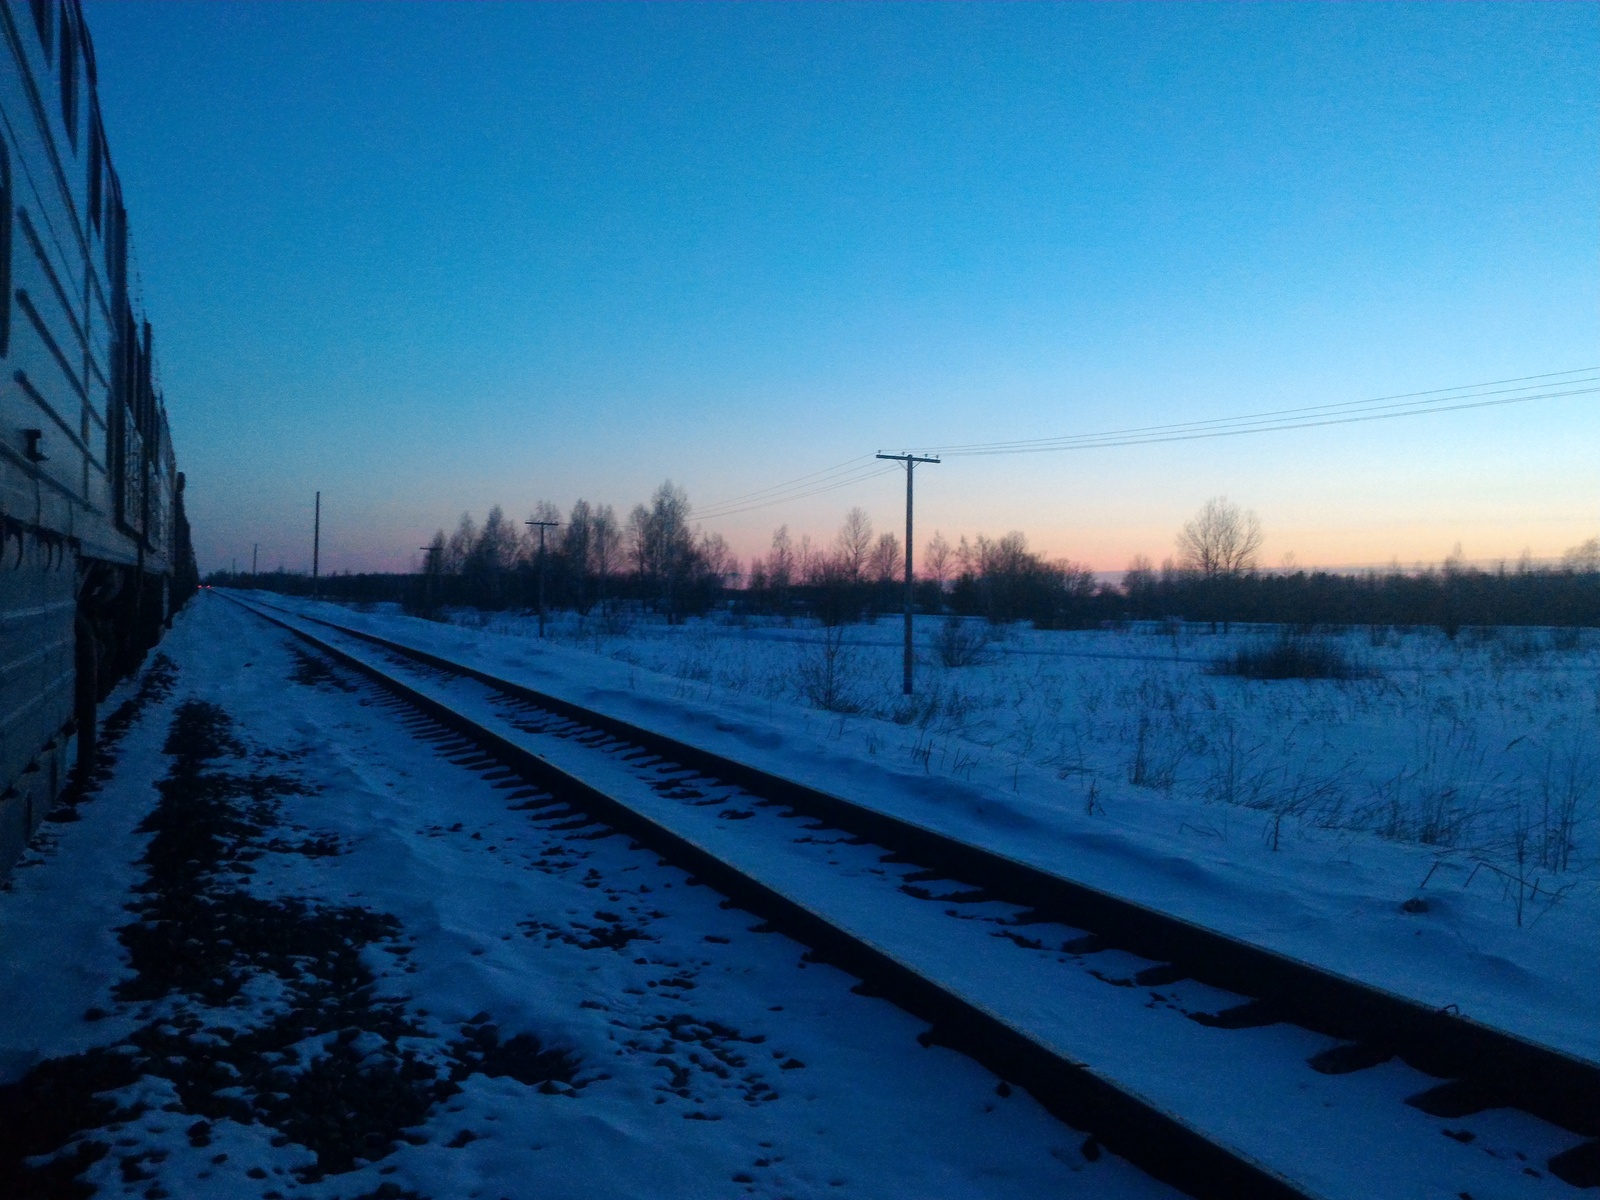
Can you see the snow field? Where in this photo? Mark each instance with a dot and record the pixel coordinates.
(1484, 748)
(1432, 922)
(1252, 1087)
(702, 1058)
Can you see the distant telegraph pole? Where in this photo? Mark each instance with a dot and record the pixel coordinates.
(255, 556)
(430, 564)
(543, 525)
(316, 546)
(911, 461)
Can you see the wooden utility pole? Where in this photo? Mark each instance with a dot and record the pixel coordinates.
(911, 461)
(316, 547)
(429, 566)
(255, 555)
(543, 525)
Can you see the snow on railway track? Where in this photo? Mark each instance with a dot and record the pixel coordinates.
(1220, 1067)
(367, 960)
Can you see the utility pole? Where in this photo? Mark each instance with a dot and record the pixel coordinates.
(316, 547)
(543, 525)
(430, 564)
(255, 555)
(911, 461)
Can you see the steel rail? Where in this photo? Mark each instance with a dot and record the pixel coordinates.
(1479, 1066)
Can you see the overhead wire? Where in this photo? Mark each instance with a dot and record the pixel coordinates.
(1488, 394)
(1583, 381)
(814, 476)
(864, 473)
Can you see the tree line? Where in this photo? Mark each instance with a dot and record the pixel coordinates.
(1215, 578)
(581, 559)
(859, 575)
(656, 560)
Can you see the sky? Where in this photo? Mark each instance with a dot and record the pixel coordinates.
(430, 258)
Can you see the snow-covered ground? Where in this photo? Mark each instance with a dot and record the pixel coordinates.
(1430, 827)
(1252, 1088)
(289, 948)
(1459, 745)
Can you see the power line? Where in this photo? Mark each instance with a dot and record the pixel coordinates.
(1411, 402)
(1491, 393)
(803, 483)
(855, 462)
(803, 495)
(864, 473)
(1584, 381)
(1108, 441)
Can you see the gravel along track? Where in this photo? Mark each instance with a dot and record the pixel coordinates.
(347, 954)
(1315, 1115)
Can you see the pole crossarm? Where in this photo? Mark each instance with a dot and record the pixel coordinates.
(911, 461)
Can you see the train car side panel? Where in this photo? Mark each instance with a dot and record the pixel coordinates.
(91, 520)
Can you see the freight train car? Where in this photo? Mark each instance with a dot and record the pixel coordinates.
(94, 553)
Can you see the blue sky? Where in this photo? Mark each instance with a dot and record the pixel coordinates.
(430, 258)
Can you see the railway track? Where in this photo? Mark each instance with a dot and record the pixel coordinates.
(1222, 1068)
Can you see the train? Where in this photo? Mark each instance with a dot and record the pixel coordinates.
(95, 556)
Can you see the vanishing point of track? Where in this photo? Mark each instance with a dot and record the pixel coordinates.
(1476, 1067)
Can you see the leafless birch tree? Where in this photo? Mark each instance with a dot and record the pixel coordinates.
(1221, 540)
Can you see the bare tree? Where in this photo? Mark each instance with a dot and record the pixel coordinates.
(1584, 558)
(885, 559)
(717, 559)
(460, 545)
(1221, 540)
(638, 534)
(781, 562)
(672, 539)
(1140, 575)
(496, 550)
(936, 559)
(806, 559)
(966, 557)
(662, 542)
(605, 545)
(854, 543)
(575, 537)
(492, 555)
(1007, 558)
(575, 544)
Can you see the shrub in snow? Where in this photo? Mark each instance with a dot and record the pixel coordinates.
(827, 674)
(1291, 657)
(962, 643)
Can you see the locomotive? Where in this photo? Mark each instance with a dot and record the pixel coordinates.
(94, 546)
